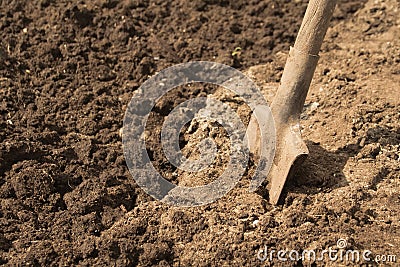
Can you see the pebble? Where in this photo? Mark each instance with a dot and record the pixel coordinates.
(362, 142)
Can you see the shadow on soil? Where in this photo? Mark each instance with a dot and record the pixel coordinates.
(322, 171)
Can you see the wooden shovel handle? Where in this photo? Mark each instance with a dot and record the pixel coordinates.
(302, 61)
(314, 26)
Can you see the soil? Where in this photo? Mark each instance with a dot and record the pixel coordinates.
(69, 69)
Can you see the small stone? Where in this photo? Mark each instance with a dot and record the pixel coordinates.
(362, 142)
(314, 106)
(369, 151)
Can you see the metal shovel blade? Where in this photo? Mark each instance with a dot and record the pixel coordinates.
(291, 153)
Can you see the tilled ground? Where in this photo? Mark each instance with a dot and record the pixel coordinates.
(67, 72)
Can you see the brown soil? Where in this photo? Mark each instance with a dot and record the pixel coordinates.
(67, 72)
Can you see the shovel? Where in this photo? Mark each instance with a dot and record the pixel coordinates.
(289, 100)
